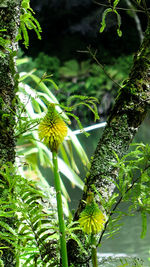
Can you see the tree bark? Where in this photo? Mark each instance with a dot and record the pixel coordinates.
(126, 117)
(9, 21)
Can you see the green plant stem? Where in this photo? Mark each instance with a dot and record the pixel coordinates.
(60, 212)
(94, 251)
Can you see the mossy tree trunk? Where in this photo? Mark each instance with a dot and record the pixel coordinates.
(126, 116)
(129, 111)
(9, 22)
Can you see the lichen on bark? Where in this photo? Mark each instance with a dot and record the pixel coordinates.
(9, 21)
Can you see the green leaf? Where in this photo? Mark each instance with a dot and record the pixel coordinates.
(115, 3)
(20, 61)
(119, 32)
(70, 174)
(27, 21)
(52, 82)
(43, 87)
(144, 224)
(64, 191)
(103, 23)
(78, 148)
(25, 34)
(7, 214)
(119, 23)
(8, 228)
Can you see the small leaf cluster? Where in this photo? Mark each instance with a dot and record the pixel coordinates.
(81, 100)
(27, 22)
(111, 9)
(133, 179)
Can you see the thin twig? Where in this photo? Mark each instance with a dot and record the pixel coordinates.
(139, 5)
(93, 55)
(121, 8)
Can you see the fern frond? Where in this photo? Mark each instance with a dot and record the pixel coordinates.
(81, 97)
(35, 236)
(86, 101)
(72, 231)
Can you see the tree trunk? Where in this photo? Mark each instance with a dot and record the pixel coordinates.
(126, 116)
(9, 22)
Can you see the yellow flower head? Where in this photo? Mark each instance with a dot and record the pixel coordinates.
(91, 218)
(52, 129)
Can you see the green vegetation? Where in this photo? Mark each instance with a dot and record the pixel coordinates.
(86, 78)
(35, 236)
(27, 22)
(29, 227)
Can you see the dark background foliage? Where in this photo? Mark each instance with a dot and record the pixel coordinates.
(71, 25)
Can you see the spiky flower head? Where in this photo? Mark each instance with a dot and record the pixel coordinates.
(52, 129)
(91, 218)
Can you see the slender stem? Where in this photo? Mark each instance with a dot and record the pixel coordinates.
(93, 55)
(94, 251)
(60, 212)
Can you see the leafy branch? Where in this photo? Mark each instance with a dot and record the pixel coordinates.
(113, 8)
(27, 22)
(124, 185)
